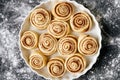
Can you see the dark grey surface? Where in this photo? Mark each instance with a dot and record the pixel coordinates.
(12, 14)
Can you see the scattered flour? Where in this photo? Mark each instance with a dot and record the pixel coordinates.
(9, 46)
(117, 3)
(117, 41)
(10, 76)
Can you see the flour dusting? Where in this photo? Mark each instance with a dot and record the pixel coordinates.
(13, 67)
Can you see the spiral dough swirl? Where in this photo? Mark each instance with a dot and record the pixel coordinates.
(63, 11)
(87, 45)
(75, 63)
(56, 67)
(67, 45)
(29, 40)
(58, 28)
(40, 18)
(47, 44)
(37, 60)
(81, 22)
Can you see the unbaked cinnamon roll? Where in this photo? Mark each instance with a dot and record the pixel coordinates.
(47, 44)
(40, 18)
(63, 11)
(37, 60)
(29, 39)
(81, 22)
(56, 67)
(75, 63)
(67, 45)
(58, 29)
(87, 44)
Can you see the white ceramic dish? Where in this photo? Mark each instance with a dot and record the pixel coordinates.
(95, 32)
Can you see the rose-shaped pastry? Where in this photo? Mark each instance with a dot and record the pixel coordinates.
(67, 45)
(29, 39)
(75, 63)
(81, 22)
(58, 29)
(47, 44)
(56, 67)
(87, 44)
(63, 11)
(37, 60)
(40, 18)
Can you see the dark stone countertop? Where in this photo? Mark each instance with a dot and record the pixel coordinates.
(12, 14)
